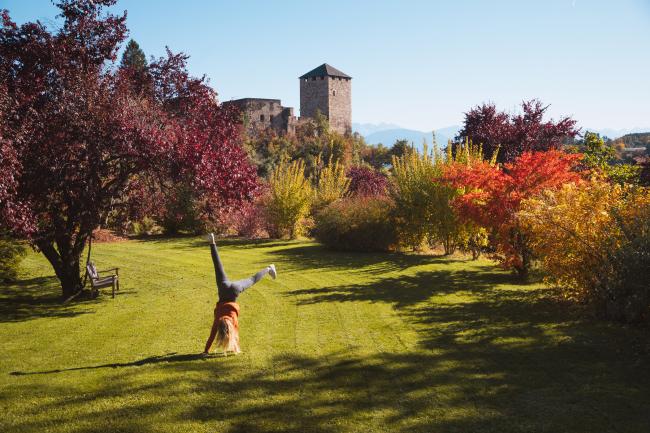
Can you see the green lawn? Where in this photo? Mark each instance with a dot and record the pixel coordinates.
(339, 343)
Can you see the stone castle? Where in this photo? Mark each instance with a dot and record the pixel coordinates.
(324, 89)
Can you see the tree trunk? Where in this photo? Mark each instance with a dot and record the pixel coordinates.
(522, 270)
(70, 277)
(65, 267)
(449, 245)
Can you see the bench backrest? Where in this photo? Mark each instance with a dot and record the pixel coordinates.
(92, 270)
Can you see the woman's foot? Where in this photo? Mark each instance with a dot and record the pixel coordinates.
(273, 272)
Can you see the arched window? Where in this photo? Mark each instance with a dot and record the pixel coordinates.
(333, 92)
(261, 118)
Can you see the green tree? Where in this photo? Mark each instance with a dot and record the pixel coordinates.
(133, 57)
(400, 148)
(597, 155)
(11, 254)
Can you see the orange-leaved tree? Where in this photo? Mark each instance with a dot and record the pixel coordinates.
(494, 194)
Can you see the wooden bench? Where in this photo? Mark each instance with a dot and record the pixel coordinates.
(97, 281)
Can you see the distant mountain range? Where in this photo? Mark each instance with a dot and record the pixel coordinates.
(615, 133)
(388, 133)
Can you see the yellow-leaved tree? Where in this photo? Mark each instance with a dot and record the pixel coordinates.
(415, 196)
(593, 239)
(423, 197)
(331, 183)
(289, 199)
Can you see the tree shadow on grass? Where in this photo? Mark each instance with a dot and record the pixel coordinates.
(157, 359)
(539, 384)
(502, 359)
(318, 257)
(194, 241)
(36, 298)
(408, 290)
(506, 360)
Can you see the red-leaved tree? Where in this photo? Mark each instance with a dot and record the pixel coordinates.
(78, 136)
(366, 181)
(494, 194)
(514, 134)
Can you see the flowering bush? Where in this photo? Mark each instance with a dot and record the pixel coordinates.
(367, 181)
(358, 223)
(593, 240)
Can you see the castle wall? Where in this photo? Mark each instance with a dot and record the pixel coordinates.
(260, 114)
(340, 104)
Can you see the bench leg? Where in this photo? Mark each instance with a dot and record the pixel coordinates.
(113, 295)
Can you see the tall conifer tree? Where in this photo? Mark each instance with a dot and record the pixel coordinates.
(133, 57)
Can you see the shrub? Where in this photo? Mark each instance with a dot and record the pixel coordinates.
(289, 198)
(594, 242)
(248, 220)
(357, 224)
(144, 226)
(473, 239)
(367, 181)
(11, 254)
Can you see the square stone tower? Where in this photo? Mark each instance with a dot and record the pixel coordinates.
(328, 90)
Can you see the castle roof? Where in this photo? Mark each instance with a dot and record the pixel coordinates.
(245, 100)
(325, 70)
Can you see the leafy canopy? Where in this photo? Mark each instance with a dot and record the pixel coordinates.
(514, 134)
(77, 136)
(493, 196)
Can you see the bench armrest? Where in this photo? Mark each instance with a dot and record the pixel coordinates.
(108, 270)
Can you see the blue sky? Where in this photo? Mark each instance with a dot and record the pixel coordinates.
(419, 64)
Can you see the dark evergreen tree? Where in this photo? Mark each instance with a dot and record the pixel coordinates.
(133, 57)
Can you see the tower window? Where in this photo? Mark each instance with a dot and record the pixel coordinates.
(333, 92)
(261, 118)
